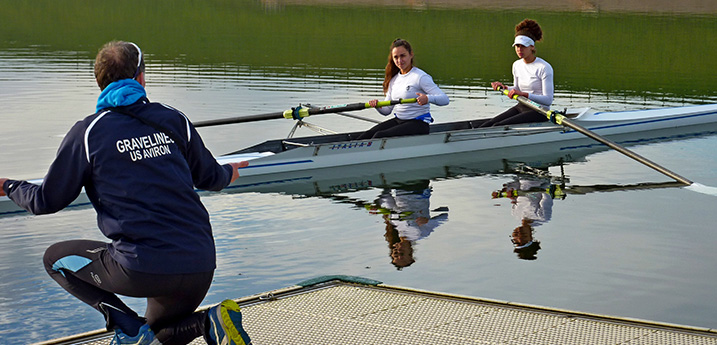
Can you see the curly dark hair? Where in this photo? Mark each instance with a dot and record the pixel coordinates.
(529, 252)
(530, 28)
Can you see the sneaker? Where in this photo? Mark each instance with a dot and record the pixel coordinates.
(144, 337)
(225, 325)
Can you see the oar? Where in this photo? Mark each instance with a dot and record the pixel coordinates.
(557, 191)
(300, 112)
(559, 118)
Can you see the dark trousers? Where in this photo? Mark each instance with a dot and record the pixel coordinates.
(86, 270)
(396, 127)
(515, 115)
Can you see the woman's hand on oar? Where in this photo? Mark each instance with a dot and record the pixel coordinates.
(496, 85)
(511, 92)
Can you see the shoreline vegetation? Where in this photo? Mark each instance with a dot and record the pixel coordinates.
(588, 6)
(464, 43)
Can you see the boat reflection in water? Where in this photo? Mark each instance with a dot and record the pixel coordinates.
(404, 190)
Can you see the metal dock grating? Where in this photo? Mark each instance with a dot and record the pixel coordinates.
(326, 311)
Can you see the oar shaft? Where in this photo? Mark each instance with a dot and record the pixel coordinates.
(240, 119)
(300, 112)
(558, 118)
(626, 152)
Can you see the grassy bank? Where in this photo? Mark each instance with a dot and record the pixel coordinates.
(602, 52)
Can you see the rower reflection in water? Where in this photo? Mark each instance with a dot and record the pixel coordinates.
(532, 204)
(407, 215)
(522, 238)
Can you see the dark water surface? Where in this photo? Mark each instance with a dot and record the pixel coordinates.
(641, 253)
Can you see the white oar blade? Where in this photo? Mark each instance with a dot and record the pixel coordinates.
(700, 188)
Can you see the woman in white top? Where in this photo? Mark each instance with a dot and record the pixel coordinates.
(402, 81)
(532, 78)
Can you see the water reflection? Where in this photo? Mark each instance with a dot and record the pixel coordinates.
(408, 217)
(531, 208)
(405, 208)
(532, 198)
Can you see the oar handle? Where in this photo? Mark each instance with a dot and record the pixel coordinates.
(300, 112)
(553, 115)
(555, 191)
(393, 102)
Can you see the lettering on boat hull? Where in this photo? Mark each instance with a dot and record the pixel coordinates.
(351, 145)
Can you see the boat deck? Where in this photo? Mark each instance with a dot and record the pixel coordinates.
(349, 310)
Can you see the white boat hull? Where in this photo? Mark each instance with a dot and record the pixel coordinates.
(482, 146)
(641, 125)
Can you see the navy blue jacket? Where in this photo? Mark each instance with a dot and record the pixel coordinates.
(141, 185)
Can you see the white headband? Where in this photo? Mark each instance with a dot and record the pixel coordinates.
(523, 41)
(139, 59)
(524, 246)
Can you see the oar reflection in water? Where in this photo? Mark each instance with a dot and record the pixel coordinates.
(532, 203)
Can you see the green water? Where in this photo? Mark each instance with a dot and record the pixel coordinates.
(635, 54)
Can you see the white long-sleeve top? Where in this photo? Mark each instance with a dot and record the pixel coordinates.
(535, 78)
(404, 86)
(406, 207)
(536, 206)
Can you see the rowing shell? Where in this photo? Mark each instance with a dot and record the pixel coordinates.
(300, 159)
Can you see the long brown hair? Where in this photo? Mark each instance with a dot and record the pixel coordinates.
(391, 68)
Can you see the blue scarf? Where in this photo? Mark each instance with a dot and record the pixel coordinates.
(120, 93)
